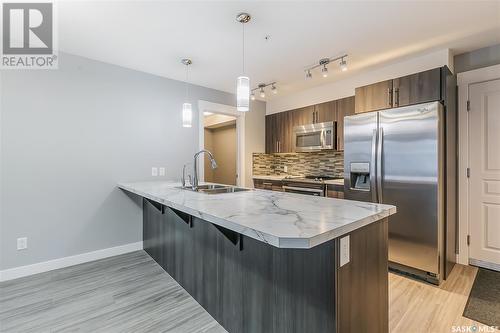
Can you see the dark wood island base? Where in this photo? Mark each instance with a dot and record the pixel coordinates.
(250, 286)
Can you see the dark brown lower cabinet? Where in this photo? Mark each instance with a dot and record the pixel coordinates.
(250, 286)
(273, 185)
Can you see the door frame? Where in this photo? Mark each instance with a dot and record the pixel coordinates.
(464, 80)
(229, 110)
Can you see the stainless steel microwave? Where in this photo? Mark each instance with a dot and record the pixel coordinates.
(314, 137)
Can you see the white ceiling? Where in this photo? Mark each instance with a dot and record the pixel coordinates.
(154, 36)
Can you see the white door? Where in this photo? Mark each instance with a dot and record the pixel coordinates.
(484, 181)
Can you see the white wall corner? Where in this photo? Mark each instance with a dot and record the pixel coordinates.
(41, 267)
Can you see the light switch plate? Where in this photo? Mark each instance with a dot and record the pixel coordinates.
(154, 171)
(22, 243)
(345, 253)
(162, 171)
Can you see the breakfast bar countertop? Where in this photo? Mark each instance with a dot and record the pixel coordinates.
(284, 220)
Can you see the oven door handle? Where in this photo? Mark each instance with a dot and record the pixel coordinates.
(293, 188)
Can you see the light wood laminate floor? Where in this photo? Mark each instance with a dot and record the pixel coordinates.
(126, 293)
(131, 293)
(416, 306)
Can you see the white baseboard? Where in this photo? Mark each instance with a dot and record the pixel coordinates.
(17, 272)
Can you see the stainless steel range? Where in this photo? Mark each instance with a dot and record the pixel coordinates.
(309, 185)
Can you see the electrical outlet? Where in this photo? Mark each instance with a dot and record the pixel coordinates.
(22, 243)
(345, 255)
(285, 168)
(154, 171)
(162, 171)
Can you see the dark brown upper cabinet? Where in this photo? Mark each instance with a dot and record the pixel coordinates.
(279, 133)
(407, 90)
(417, 88)
(325, 112)
(303, 116)
(373, 97)
(279, 126)
(345, 107)
(313, 114)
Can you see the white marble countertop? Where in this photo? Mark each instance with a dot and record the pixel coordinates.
(284, 220)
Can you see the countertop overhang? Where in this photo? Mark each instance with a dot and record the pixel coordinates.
(284, 220)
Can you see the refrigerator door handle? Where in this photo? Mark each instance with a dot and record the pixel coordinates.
(379, 163)
(373, 167)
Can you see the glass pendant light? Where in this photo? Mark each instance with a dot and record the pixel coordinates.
(187, 111)
(243, 81)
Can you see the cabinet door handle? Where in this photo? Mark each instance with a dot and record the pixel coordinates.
(396, 97)
(389, 96)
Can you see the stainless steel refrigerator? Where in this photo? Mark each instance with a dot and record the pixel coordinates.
(398, 157)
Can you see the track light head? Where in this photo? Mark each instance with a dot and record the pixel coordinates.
(343, 65)
(252, 96)
(262, 94)
(324, 71)
(274, 89)
(308, 74)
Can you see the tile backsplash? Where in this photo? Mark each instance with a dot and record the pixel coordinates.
(324, 163)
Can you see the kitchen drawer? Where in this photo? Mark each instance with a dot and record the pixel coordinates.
(272, 185)
(335, 191)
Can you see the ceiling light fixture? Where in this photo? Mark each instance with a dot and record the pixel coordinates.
(187, 111)
(343, 64)
(324, 70)
(243, 81)
(323, 63)
(262, 92)
(274, 89)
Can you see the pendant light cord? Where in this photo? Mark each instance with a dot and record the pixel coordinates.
(243, 49)
(187, 83)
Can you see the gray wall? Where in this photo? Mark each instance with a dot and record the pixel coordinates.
(68, 136)
(487, 56)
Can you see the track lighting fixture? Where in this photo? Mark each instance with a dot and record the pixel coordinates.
(262, 92)
(343, 64)
(323, 63)
(324, 71)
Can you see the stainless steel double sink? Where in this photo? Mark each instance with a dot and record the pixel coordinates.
(216, 189)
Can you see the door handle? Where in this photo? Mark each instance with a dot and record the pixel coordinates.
(389, 96)
(396, 97)
(373, 167)
(379, 164)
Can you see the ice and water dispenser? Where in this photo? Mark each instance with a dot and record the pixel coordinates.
(360, 176)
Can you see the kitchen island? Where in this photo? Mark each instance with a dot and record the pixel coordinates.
(262, 261)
